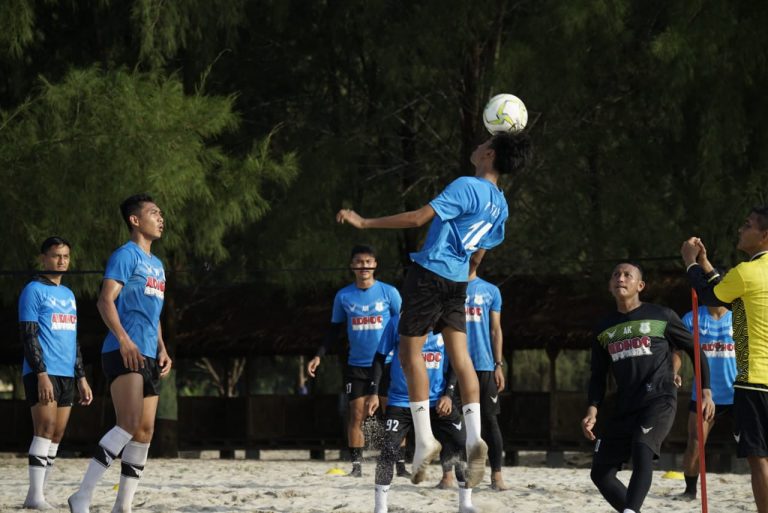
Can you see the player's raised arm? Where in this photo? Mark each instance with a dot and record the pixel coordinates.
(410, 219)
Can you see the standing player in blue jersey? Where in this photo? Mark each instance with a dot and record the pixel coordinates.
(446, 421)
(467, 220)
(716, 339)
(484, 341)
(52, 363)
(365, 308)
(133, 355)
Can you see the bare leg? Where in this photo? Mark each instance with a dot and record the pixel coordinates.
(759, 467)
(691, 455)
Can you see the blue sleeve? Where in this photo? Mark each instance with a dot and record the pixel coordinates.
(454, 200)
(120, 266)
(29, 305)
(688, 321)
(395, 302)
(496, 304)
(338, 314)
(389, 339)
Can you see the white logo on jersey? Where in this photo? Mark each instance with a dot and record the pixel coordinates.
(646, 430)
(479, 300)
(494, 398)
(611, 333)
(63, 322)
(440, 342)
(457, 426)
(66, 304)
(703, 331)
(364, 308)
(379, 306)
(737, 437)
(645, 327)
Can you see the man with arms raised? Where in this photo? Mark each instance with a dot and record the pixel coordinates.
(745, 290)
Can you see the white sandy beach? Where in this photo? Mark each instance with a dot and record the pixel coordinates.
(287, 481)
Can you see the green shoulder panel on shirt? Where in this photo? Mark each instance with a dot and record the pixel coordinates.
(630, 329)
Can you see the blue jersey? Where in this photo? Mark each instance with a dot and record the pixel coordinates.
(482, 299)
(470, 214)
(141, 298)
(367, 313)
(435, 359)
(54, 309)
(716, 339)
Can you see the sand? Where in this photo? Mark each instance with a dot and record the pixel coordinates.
(288, 481)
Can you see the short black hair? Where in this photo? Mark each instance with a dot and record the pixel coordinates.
(512, 151)
(53, 241)
(359, 249)
(762, 216)
(132, 206)
(633, 263)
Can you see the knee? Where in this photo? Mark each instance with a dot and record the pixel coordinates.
(46, 429)
(144, 434)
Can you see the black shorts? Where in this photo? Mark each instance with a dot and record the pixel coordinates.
(357, 382)
(112, 364)
(385, 380)
(750, 410)
(430, 303)
(721, 410)
(449, 431)
(489, 393)
(63, 389)
(649, 426)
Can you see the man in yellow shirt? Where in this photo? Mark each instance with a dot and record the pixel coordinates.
(745, 290)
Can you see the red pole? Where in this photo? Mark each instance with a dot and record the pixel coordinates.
(699, 414)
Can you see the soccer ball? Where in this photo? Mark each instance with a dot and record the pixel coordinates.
(505, 113)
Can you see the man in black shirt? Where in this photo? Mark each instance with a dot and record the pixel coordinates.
(636, 344)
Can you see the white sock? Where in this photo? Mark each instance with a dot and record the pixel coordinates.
(422, 427)
(53, 449)
(382, 491)
(465, 495)
(38, 461)
(472, 422)
(132, 465)
(627, 510)
(109, 448)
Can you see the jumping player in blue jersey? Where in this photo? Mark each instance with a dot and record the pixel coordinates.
(364, 308)
(467, 220)
(446, 421)
(52, 363)
(716, 339)
(484, 342)
(133, 355)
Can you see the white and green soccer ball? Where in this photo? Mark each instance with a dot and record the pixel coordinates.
(505, 113)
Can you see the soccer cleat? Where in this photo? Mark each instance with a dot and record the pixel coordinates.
(422, 457)
(401, 470)
(357, 470)
(476, 456)
(467, 509)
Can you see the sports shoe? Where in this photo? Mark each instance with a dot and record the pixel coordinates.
(357, 470)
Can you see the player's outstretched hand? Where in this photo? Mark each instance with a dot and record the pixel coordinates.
(588, 423)
(349, 216)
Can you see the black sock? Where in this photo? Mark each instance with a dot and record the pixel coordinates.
(401, 455)
(690, 484)
(356, 454)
